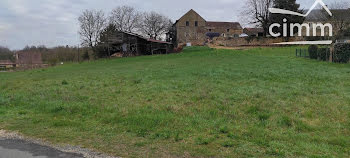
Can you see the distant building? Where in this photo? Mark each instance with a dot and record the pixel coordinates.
(340, 20)
(131, 44)
(254, 32)
(192, 28)
(28, 59)
(6, 64)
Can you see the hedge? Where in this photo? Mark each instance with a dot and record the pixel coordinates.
(323, 54)
(341, 52)
(313, 51)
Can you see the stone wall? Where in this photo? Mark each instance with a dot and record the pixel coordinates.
(223, 31)
(248, 41)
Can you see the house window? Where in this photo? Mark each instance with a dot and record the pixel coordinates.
(228, 30)
(209, 30)
(196, 23)
(235, 35)
(187, 23)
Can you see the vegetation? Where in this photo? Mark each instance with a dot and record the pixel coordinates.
(97, 30)
(313, 51)
(199, 103)
(6, 54)
(257, 12)
(291, 5)
(341, 52)
(55, 55)
(323, 54)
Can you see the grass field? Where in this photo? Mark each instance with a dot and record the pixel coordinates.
(199, 103)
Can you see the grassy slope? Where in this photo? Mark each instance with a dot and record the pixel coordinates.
(203, 102)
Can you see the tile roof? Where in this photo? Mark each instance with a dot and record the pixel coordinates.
(234, 25)
(253, 30)
(147, 39)
(7, 62)
(319, 15)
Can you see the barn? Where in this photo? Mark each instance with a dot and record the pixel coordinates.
(130, 44)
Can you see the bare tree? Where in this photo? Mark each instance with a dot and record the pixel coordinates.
(126, 18)
(341, 13)
(155, 25)
(92, 23)
(257, 12)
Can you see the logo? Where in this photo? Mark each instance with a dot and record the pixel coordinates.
(299, 27)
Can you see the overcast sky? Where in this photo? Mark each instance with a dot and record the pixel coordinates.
(54, 22)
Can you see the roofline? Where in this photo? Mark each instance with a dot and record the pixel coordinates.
(223, 21)
(147, 39)
(187, 13)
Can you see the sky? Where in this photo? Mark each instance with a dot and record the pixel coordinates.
(54, 22)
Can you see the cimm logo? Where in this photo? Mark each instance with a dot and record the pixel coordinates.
(300, 27)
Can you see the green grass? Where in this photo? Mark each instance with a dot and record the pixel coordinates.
(199, 103)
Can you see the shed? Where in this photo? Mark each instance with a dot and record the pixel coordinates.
(130, 44)
(4, 64)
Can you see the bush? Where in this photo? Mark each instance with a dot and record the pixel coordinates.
(313, 51)
(86, 55)
(323, 54)
(64, 82)
(341, 53)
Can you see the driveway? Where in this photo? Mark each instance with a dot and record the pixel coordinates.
(12, 148)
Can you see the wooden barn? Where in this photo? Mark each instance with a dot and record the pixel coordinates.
(130, 44)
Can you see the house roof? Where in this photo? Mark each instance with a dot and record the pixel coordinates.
(189, 12)
(7, 62)
(253, 30)
(147, 39)
(316, 15)
(234, 25)
(158, 41)
(319, 15)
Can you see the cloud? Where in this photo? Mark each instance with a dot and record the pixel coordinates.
(54, 22)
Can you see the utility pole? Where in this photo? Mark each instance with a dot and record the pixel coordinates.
(78, 54)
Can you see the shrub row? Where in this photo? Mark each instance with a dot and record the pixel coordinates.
(313, 51)
(323, 54)
(319, 53)
(341, 53)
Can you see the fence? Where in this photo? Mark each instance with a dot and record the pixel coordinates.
(323, 54)
(302, 53)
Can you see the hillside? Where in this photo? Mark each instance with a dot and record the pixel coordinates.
(199, 103)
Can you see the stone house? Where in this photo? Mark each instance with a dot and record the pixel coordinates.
(193, 28)
(254, 32)
(340, 20)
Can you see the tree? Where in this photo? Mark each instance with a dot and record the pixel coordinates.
(86, 55)
(257, 12)
(291, 19)
(91, 25)
(126, 18)
(341, 13)
(6, 54)
(155, 25)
